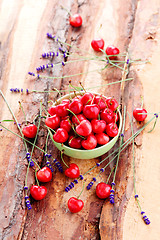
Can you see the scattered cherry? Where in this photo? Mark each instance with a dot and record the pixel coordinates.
(38, 192)
(72, 171)
(75, 20)
(140, 117)
(112, 50)
(103, 190)
(44, 174)
(75, 205)
(97, 44)
(30, 131)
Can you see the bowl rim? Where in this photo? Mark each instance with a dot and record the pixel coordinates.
(67, 96)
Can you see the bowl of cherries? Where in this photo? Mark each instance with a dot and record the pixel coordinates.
(85, 124)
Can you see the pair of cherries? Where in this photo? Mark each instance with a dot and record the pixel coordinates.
(43, 175)
(85, 121)
(98, 45)
(102, 191)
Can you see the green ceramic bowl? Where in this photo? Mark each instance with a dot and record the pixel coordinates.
(87, 154)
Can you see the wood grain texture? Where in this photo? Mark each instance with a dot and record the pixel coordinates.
(132, 25)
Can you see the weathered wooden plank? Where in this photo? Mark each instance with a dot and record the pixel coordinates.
(22, 42)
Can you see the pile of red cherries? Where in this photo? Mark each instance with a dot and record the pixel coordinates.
(85, 121)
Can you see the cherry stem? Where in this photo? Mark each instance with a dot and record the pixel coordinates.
(82, 86)
(66, 9)
(36, 177)
(141, 101)
(74, 115)
(62, 152)
(81, 191)
(110, 175)
(121, 143)
(103, 85)
(75, 88)
(14, 118)
(22, 111)
(153, 125)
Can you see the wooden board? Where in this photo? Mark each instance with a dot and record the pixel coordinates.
(132, 26)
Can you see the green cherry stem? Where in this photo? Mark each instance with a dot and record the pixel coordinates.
(62, 152)
(81, 191)
(36, 177)
(121, 142)
(14, 117)
(23, 111)
(110, 175)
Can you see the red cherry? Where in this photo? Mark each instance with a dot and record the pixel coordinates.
(30, 131)
(90, 142)
(97, 44)
(111, 50)
(102, 138)
(91, 111)
(98, 126)
(72, 171)
(81, 117)
(53, 122)
(112, 103)
(76, 106)
(38, 192)
(139, 117)
(74, 142)
(87, 98)
(75, 20)
(84, 128)
(100, 101)
(65, 124)
(103, 190)
(60, 136)
(75, 205)
(112, 129)
(61, 109)
(52, 110)
(107, 115)
(44, 174)
(115, 117)
(66, 101)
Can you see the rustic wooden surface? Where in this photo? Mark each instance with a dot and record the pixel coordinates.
(132, 25)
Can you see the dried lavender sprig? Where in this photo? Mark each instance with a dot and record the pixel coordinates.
(145, 218)
(28, 204)
(58, 165)
(48, 156)
(71, 185)
(121, 143)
